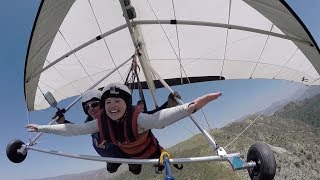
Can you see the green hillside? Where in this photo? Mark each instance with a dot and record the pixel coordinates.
(307, 111)
(293, 133)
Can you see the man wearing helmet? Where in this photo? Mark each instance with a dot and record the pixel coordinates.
(90, 102)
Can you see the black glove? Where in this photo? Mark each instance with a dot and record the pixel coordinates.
(171, 99)
(59, 114)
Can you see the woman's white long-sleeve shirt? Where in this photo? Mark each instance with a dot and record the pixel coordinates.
(145, 121)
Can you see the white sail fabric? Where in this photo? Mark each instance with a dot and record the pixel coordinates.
(231, 39)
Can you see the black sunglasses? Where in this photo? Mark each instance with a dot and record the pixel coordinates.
(92, 104)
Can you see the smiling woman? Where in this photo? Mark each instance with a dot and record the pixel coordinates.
(116, 101)
(115, 108)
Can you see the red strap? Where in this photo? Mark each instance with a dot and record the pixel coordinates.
(125, 131)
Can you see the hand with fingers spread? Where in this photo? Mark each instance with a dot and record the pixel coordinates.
(32, 127)
(202, 101)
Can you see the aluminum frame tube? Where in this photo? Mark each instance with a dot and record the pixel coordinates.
(133, 161)
(135, 42)
(229, 26)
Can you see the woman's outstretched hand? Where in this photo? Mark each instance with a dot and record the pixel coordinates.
(202, 101)
(32, 127)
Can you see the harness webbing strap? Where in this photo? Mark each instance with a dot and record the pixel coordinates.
(100, 129)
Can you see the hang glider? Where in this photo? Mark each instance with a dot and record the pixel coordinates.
(84, 44)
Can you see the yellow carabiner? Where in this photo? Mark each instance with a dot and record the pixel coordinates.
(164, 153)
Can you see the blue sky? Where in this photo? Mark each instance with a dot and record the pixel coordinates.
(16, 18)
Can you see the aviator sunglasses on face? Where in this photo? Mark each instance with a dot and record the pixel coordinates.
(92, 104)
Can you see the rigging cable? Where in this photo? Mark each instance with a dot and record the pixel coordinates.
(264, 46)
(196, 58)
(71, 83)
(287, 82)
(105, 42)
(245, 129)
(179, 52)
(171, 45)
(76, 56)
(178, 40)
(178, 57)
(226, 41)
(28, 118)
(186, 127)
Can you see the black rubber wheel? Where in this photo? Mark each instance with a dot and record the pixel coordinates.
(263, 156)
(12, 153)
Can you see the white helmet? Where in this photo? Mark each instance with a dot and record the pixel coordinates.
(116, 85)
(117, 90)
(91, 95)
